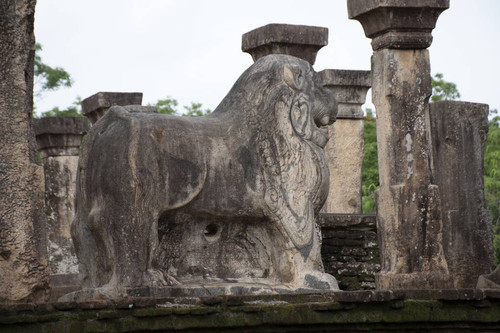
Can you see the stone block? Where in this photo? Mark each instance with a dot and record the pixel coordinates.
(458, 135)
(95, 106)
(300, 41)
(397, 24)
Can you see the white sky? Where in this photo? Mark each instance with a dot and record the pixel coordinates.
(191, 49)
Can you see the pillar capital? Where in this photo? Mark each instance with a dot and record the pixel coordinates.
(397, 24)
(95, 106)
(300, 41)
(60, 136)
(349, 88)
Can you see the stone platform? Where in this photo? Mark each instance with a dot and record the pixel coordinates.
(342, 311)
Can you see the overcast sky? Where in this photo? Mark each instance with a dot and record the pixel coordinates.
(191, 50)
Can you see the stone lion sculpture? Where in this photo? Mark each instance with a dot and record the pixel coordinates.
(228, 197)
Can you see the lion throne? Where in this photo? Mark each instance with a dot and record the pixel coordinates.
(231, 197)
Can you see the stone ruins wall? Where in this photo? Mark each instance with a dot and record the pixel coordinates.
(350, 249)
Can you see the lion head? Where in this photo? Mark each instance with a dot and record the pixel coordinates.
(289, 117)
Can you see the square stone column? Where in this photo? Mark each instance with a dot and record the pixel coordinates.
(344, 150)
(459, 131)
(24, 274)
(96, 106)
(409, 214)
(58, 141)
(300, 41)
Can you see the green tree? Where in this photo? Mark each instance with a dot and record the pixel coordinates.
(195, 110)
(492, 178)
(169, 106)
(370, 181)
(443, 90)
(49, 78)
(74, 110)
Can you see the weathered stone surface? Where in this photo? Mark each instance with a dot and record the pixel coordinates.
(96, 106)
(232, 196)
(408, 205)
(344, 151)
(300, 41)
(458, 133)
(397, 24)
(60, 136)
(58, 140)
(141, 108)
(341, 311)
(490, 281)
(23, 256)
(350, 250)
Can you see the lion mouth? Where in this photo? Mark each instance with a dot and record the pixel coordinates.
(320, 136)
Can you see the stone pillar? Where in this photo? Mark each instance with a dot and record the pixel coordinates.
(300, 41)
(409, 215)
(24, 274)
(344, 151)
(459, 131)
(58, 141)
(95, 106)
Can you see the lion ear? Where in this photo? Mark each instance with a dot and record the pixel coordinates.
(299, 115)
(293, 77)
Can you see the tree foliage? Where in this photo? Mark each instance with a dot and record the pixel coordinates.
(492, 178)
(443, 90)
(49, 78)
(73, 110)
(169, 106)
(370, 181)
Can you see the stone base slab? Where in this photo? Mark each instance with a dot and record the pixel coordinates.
(417, 280)
(356, 311)
(205, 290)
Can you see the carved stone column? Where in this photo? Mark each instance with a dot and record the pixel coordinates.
(300, 41)
(24, 274)
(344, 151)
(409, 215)
(459, 131)
(96, 106)
(58, 141)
